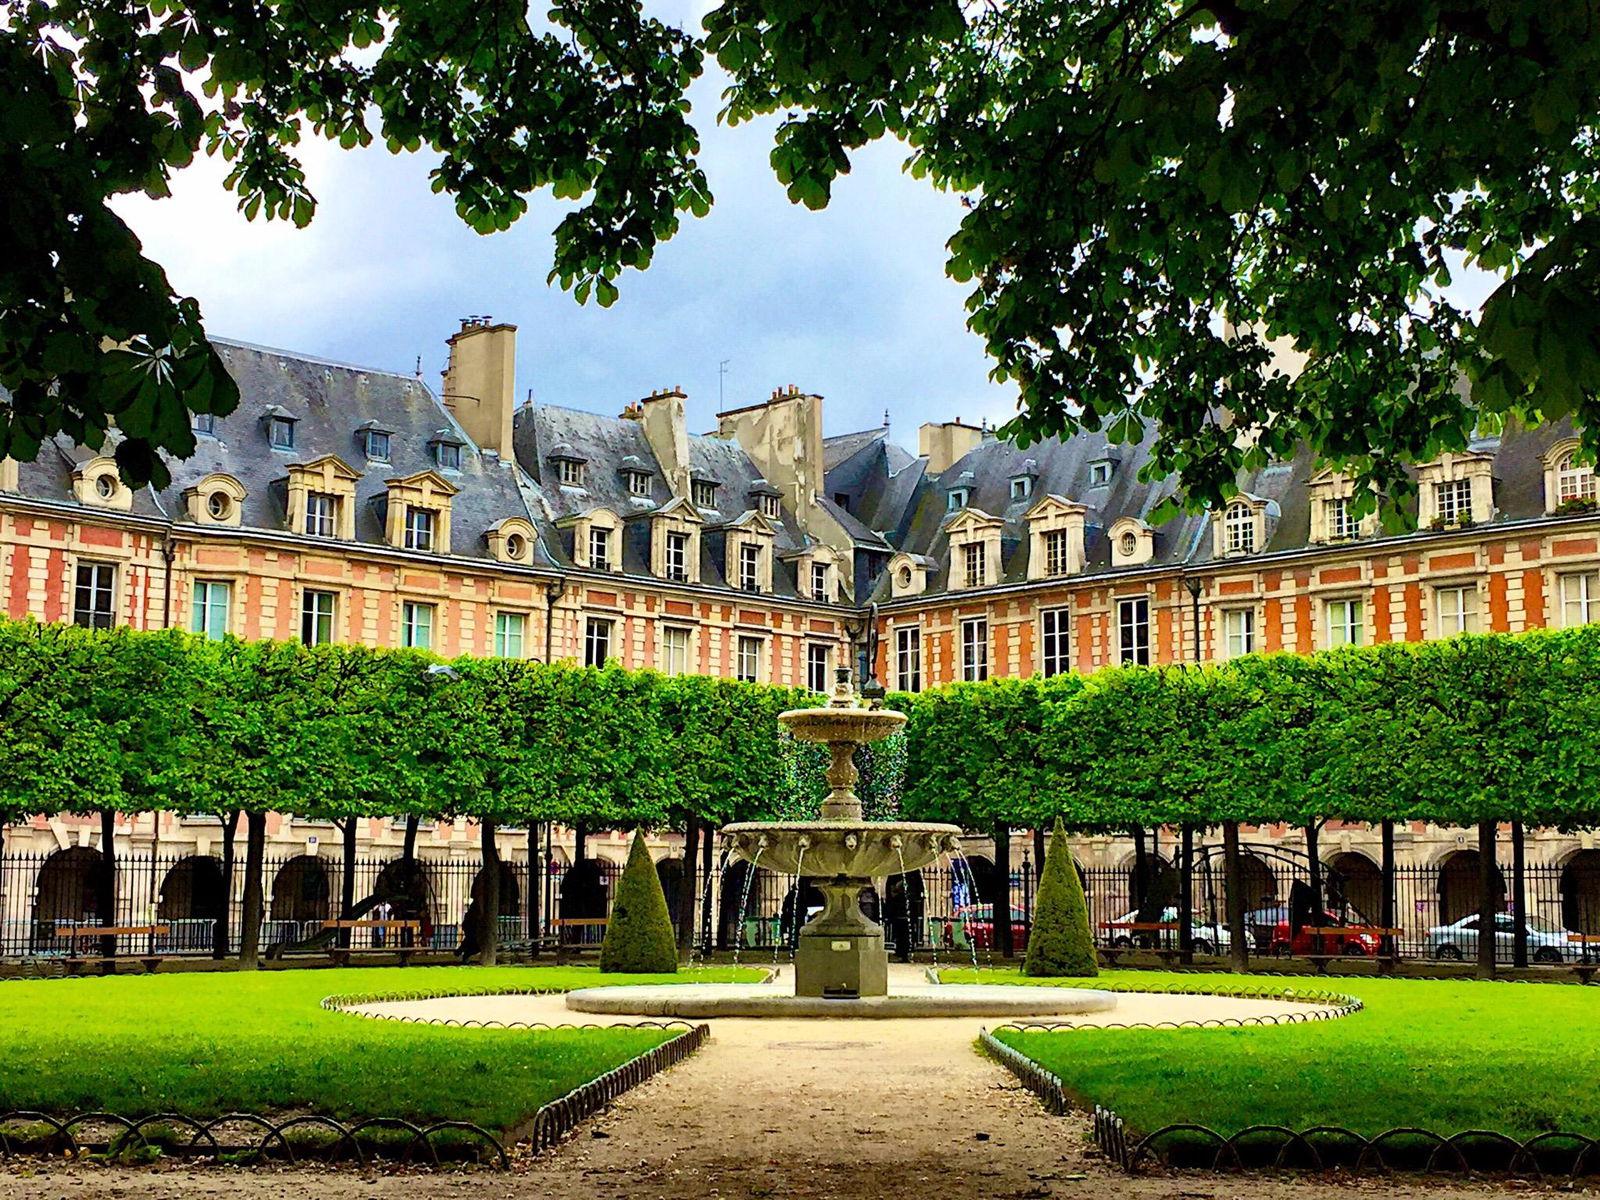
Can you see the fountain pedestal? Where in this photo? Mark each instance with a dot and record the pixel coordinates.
(841, 955)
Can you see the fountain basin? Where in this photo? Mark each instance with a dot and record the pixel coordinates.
(701, 1000)
(857, 849)
(833, 724)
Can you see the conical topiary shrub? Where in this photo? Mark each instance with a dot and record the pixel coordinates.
(1060, 943)
(639, 937)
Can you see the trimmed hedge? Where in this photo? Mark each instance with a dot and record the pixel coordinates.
(1060, 943)
(639, 938)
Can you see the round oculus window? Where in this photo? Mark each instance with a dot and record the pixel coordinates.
(1130, 544)
(516, 547)
(105, 486)
(905, 577)
(219, 506)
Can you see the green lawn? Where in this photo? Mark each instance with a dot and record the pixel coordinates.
(1446, 1056)
(203, 1044)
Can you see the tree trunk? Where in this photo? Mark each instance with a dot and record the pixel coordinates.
(106, 892)
(1040, 849)
(408, 849)
(1186, 895)
(347, 885)
(1239, 936)
(224, 925)
(1389, 946)
(1003, 941)
(688, 891)
(489, 906)
(1519, 895)
(1486, 896)
(580, 838)
(1141, 873)
(535, 891)
(1314, 870)
(255, 847)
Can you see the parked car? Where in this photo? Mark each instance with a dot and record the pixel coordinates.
(1354, 943)
(1546, 944)
(1208, 938)
(973, 924)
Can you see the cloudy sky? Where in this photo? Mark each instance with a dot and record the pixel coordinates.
(851, 302)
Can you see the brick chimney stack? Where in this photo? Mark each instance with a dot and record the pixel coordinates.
(480, 382)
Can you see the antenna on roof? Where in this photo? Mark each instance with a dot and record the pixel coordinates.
(419, 366)
(886, 418)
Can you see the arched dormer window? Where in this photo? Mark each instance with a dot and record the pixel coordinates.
(1239, 528)
(1574, 479)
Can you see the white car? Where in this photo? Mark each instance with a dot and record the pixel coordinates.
(1459, 940)
(1208, 939)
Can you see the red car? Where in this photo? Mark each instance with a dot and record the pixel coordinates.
(1354, 943)
(973, 924)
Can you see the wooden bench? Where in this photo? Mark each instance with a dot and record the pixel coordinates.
(343, 954)
(1344, 932)
(1166, 952)
(75, 962)
(565, 948)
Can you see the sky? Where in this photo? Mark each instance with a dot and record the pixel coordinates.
(851, 302)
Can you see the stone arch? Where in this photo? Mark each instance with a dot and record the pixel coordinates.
(670, 873)
(1355, 881)
(67, 889)
(302, 891)
(981, 875)
(1257, 880)
(903, 913)
(1580, 892)
(585, 891)
(405, 886)
(510, 889)
(745, 894)
(192, 890)
(1458, 886)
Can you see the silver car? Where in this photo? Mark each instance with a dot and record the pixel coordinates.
(1457, 941)
(1208, 939)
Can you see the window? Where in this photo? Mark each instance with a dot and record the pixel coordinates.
(956, 500)
(105, 486)
(908, 658)
(1239, 529)
(510, 634)
(1454, 501)
(378, 445)
(416, 625)
(571, 472)
(1457, 609)
(316, 617)
(516, 546)
(94, 603)
(280, 433)
(678, 556)
(1099, 473)
(747, 667)
(321, 509)
(1341, 526)
(973, 564)
(205, 423)
(1129, 544)
(1053, 658)
(211, 602)
(1238, 632)
(1574, 480)
(842, 499)
(596, 642)
(749, 567)
(705, 493)
(599, 549)
(975, 650)
(1055, 552)
(818, 660)
(819, 581)
(219, 505)
(638, 483)
(1580, 598)
(1346, 622)
(447, 455)
(771, 506)
(419, 528)
(675, 650)
(1021, 487)
(1133, 631)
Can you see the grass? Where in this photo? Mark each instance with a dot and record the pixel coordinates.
(1443, 1055)
(205, 1044)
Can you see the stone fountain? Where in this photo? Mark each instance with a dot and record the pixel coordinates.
(841, 952)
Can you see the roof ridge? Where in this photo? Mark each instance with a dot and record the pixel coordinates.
(317, 359)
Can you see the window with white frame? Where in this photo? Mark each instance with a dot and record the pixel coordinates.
(819, 661)
(212, 600)
(510, 634)
(571, 472)
(280, 433)
(377, 445)
(447, 455)
(599, 549)
(638, 483)
(675, 650)
(1456, 608)
(972, 559)
(1341, 525)
(1056, 561)
(420, 524)
(1238, 632)
(1346, 622)
(596, 642)
(747, 664)
(1453, 501)
(677, 556)
(1099, 473)
(705, 493)
(1580, 598)
(908, 658)
(317, 611)
(416, 625)
(322, 512)
(1239, 528)
(1574, 480)
(204, 423)
(819, 582)
(975, 650)
(94, 599)
(1053, 642)
(1021, 487)
(749, 567)
(771, 506)
(956, 500)
(1133, 631)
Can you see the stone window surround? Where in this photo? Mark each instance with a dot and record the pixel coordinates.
(1433, 585)
(901, 564)
(1475, 466)
(499, 537)
(425, 489)
(895, 664)
(197, 500)
(691, 651)
(583, 526)
(754, 531)
(1144, 536)
(1324, 631)
(1555, 599)
(1055, 514)
(119, 560)
(332, 476)
(969, 526)
(763, 641)
(1552, 462)
(86, 479)
(678, 516)
(1220, 650)
(1327, 485)
(1241, 507)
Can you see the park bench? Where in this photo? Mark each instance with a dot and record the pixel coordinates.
(565, 948)
(396, 926)
(75, 961)
(1163, 950)
(1343, 932)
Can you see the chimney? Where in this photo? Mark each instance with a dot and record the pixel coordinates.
(668, 434)
(480, 380)
(946, 443)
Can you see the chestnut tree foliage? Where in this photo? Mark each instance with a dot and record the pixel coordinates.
(1158, 192)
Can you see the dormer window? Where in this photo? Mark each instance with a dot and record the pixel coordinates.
(1056, 560)
(1453, 501)
(677, 556)
(771, 506)
(972, 559)
(1341, 525)
(377, 445)
(220, 505)
(638, 483)
(447, 455)
(280, 432)
(819, 582)
(571, 473)
(1100, 472)
(1239, 528)
(599, 549)
(749, 568)
(1128, 544)
(704, 493)
(1021, 488)
(205, 423)
(1574, 480)
(105, 486)
(420, 526)
(957, 499)
(322, 513)
(1457, 489)
(516, 547)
